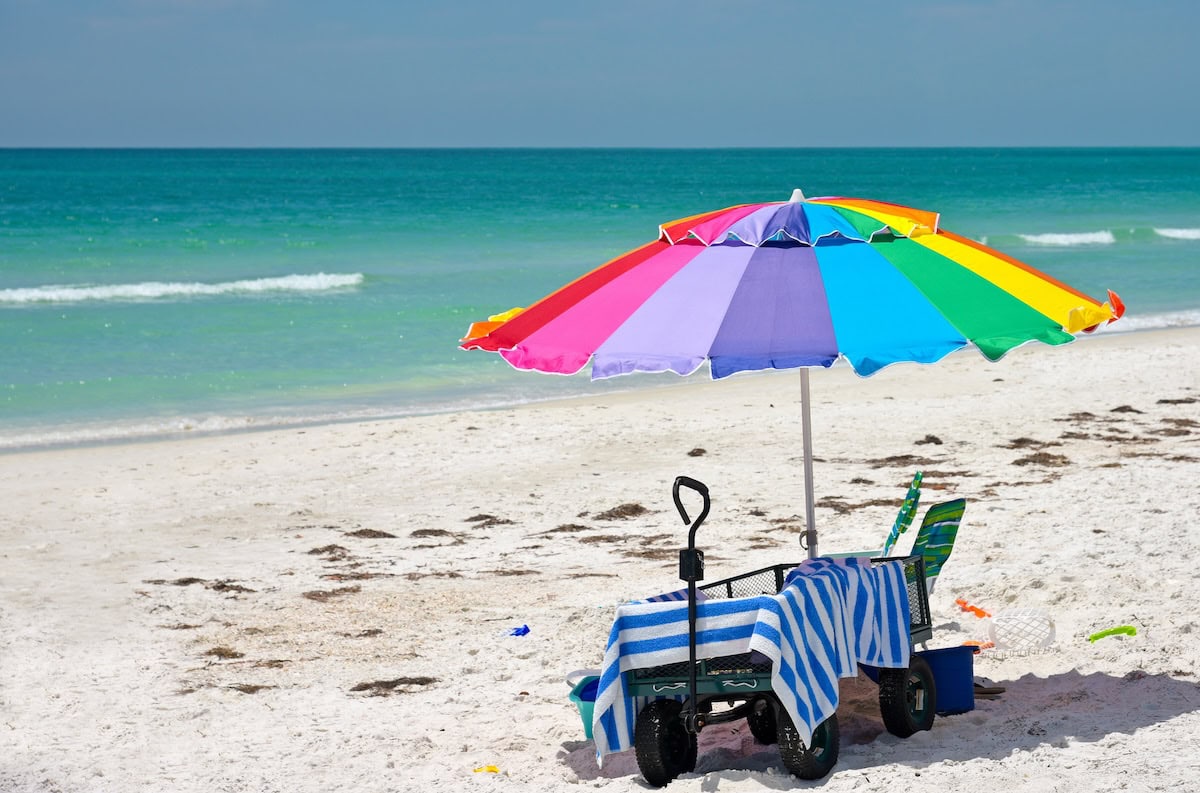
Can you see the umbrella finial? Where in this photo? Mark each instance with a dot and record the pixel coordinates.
(797, 196)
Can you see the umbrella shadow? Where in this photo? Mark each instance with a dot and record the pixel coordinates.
(1033, 711)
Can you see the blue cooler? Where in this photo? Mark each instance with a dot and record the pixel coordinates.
(954, 675)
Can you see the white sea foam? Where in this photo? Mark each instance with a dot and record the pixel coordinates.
(1077, 238)
(1179, 234)
(1172, 319)
(123, 431)
(180, 426)
(109, 432)
(157, 290)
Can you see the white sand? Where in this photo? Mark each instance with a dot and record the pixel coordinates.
(110, 677)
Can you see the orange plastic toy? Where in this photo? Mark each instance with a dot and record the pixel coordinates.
(965, 606)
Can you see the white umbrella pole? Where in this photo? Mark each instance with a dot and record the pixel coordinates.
(810, 509)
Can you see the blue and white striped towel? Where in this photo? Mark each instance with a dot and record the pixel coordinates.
(678, 594)
(830, 616)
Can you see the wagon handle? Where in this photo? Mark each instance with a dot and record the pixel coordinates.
(691, 560)
(691, 569)
(699, 487)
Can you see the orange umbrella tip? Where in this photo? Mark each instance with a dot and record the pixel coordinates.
(480, 329)
(1116, 304)
(477, 331)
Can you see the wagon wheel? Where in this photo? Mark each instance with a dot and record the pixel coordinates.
(817, 759)
(908, 698)
(664, 747)
(762, 723)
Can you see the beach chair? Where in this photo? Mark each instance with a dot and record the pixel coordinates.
(935, 538)
(904, 517)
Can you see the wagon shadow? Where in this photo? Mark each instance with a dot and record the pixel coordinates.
(1052, 711)
(1033, 711)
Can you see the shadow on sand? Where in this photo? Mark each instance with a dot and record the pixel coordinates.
(1033, 712)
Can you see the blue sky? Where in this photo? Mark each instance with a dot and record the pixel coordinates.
(674, 73)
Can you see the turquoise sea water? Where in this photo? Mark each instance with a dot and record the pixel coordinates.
(156, 291)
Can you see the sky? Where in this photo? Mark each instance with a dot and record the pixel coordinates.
(614, 73)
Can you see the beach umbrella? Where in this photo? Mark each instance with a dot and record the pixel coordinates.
(795, 284)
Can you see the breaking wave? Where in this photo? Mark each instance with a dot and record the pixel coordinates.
(1078, 238)
(1160, 321)
(1179, 234)
(158, 290)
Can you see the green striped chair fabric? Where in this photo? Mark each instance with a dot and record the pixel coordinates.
(935, 538)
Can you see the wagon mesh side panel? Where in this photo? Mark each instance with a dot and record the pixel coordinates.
(918, 596)
(767, 581)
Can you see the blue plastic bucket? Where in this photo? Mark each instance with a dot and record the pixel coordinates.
(954, 675)
(584, 697)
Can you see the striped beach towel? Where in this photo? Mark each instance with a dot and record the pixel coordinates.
(830, 616)
(678, 594)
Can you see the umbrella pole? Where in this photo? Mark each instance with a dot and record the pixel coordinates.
(810, 510)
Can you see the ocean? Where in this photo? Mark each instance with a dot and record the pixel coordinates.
(148, 293)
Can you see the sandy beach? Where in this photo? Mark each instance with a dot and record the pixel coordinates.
(331, 608)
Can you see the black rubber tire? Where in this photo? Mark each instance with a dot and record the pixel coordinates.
(664, 747)
(763, 726)
(908, 698)
(816, 760)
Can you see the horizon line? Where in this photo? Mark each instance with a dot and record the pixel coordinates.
(502, 147)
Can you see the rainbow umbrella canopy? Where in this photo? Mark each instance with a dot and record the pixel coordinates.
(793, 284)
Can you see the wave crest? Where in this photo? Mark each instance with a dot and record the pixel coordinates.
(1077, 238)
(158, 290)
(1179, 234)
(1161, 321)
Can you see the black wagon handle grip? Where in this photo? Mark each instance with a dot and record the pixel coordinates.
(699, 487)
